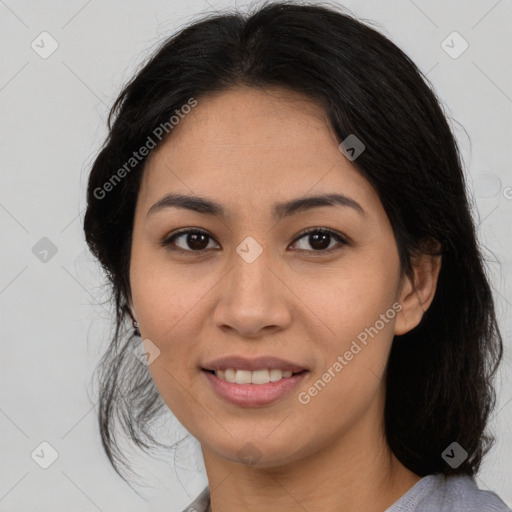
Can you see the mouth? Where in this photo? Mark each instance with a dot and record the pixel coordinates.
(256, 393)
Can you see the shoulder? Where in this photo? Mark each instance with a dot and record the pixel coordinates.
(468, 497)
(201, 503)
(456, 493)
(433, 493)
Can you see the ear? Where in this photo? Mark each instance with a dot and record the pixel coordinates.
(417, 294)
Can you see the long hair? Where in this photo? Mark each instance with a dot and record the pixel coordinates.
(439, 375)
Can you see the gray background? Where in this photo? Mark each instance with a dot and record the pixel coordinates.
(55, 321)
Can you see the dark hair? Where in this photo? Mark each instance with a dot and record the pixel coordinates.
(439, 378)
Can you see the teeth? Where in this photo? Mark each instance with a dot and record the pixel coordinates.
(260, 377)
(256, 377)
(243, 377)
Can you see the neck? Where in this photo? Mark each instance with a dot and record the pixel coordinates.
(353, 472)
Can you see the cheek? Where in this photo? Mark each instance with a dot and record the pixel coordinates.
(168, 306)
(171, 303)
(353, 361)
(356, 305)
(354, 296)
(164, 294)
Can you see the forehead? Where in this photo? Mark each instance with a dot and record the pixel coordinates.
(252, 142)
(244, 119)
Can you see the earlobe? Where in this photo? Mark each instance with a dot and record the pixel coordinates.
(416, 297)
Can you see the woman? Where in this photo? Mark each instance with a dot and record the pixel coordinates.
(280, 208)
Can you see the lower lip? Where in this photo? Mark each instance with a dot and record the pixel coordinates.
(253, 395)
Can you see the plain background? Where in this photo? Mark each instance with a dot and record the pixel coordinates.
(55, 322)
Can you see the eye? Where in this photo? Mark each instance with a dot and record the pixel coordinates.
(319, 239)
(194, 238)
(197, 240)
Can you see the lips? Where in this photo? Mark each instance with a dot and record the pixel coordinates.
(258, 363)
(253, 395)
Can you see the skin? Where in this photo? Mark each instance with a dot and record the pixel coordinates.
(247, 149)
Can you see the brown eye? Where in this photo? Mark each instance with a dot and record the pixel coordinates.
(190, 240)
(194, 240)
(320, 239)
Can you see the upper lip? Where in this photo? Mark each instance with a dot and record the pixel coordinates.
(258, 363)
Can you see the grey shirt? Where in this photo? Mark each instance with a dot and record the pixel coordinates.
(433, 493)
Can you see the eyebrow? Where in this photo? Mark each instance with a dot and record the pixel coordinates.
(279, 210)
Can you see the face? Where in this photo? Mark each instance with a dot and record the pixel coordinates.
(253, 282)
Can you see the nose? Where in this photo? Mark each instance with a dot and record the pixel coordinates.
(253, 298)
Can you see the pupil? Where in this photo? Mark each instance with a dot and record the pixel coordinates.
(313, 240)
(192, 241)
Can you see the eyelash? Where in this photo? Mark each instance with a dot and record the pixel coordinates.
(170, 239)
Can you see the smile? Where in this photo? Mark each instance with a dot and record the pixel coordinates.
(252, 388)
